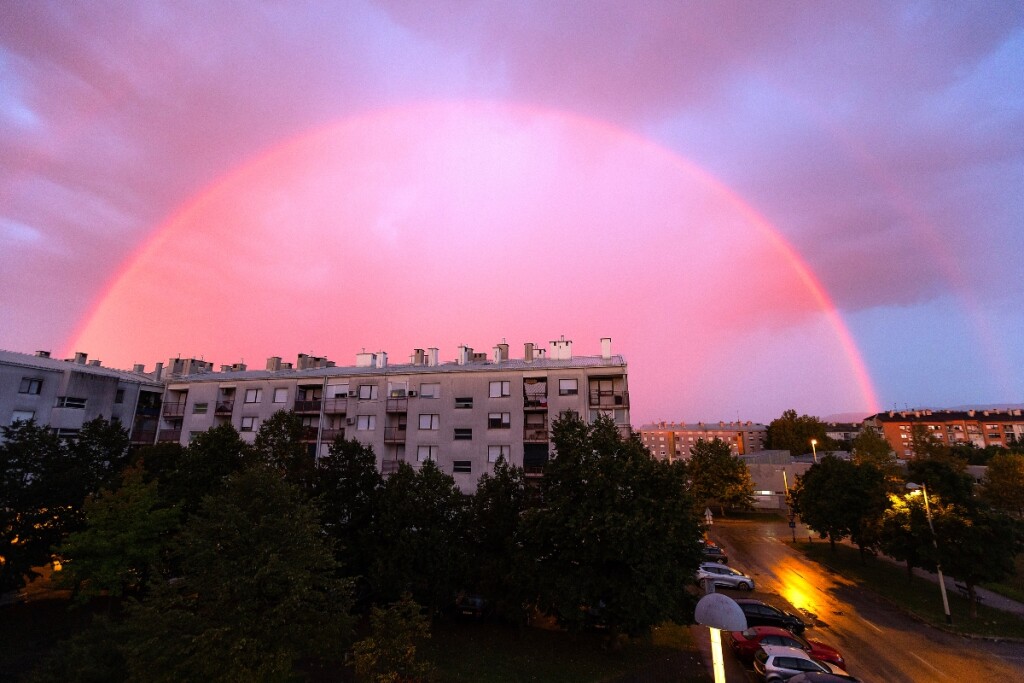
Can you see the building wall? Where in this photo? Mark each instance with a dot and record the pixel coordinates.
(979, 427)
(670, 440)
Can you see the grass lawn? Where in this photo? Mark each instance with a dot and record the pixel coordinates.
(918, 596)
(1013, 586)
(486, 653)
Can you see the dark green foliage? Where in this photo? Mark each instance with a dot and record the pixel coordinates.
(945, 477)
(717, 477)
(389, 654)
(904, 533)
(498, 568)
(125, 535)
(1003, 486)
(793, 433)
(279, 444)
(420, 534)
(871, 448)
(616, 539)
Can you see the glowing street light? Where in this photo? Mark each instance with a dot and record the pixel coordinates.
(935, 544)
(814, 449)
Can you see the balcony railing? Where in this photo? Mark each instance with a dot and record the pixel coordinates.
(609, 399)
(536, 403)
(148, 411)
(395, 434)
(397, 405)
(225, 407)
(535, 433)
(309, 433)
(390, 466)
(307, 405)
(338, 404)
(329, 434)
(169, 435)
(143, 436)
(533, 471)
(174, 409)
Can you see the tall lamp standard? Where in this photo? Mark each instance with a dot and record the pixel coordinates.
(814, 449)
(935, 544)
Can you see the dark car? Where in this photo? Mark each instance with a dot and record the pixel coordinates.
(822, 677)
(471, 605)
(712, 553)
(746, 643)
(762, 614)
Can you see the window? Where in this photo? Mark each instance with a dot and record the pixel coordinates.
(248, 424)
(366, 423)
(463, 434)
(30, 385)
(22, 416)
(568, 387)
(367, 392)
(424, 453)
(281, 395)
(200, 408)
(119, 396)
(70, 402)
(429, 421)
(462, 466)
(500, 389)
(253, 395)
(432, 390)
(463, 401)
(499, 420)
(337, 391)
(495, 452)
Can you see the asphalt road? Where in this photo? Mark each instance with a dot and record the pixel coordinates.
(879, 642)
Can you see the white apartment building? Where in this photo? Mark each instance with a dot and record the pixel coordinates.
(463, 414)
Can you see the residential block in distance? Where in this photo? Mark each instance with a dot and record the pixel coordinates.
(673, 440)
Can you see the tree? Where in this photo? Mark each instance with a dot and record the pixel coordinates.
(905, 535)
(839, 499)
(125, 534)
(1003, 485)
(420, 537)
(258, 590)
(718, 477)
(279, 443)
(499, 568)
(793, 433)
(616, 538)
(389, 654)
(945, 477)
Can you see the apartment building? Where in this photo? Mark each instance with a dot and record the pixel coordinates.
(463, 414)
(979, 427)
(65, 394)
(673, 440)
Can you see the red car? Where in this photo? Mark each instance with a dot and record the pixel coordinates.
(746, 643)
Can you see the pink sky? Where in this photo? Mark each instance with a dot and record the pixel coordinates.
(240, 181)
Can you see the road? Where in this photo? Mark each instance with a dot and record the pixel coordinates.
(879, 642)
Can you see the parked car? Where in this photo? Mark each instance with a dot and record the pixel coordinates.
(780, 663)
(712, 553)
(471, 605)
(746, 643)
(822, 677)
(762, 614)
(723, 576)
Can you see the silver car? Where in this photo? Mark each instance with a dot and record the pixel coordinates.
(780, 663)
(724, 576)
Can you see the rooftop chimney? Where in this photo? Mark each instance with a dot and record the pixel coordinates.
(501, 352)
(561, 349)
(42, 354)
(93, 363)
(418, 357)
(363, 360)
(432, 356)
(528, 352)
(382, 359)
(158, 371)
(274, 363)
(139, 368)
(465, 354)
(606, 347)
(80, 357)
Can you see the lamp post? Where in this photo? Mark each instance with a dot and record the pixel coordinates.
(814, 449)
(935, 544)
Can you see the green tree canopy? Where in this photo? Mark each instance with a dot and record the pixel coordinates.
(1003, 485)
(616, 537)
(279, 443)
(717, 477)
(793, 433)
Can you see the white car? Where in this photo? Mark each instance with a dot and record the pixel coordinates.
(780, 663)
(724, 576)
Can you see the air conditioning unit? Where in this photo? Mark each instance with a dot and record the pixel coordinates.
(412, 394)
(350, 421)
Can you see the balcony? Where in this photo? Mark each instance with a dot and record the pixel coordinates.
(308, 405)
(609, 399)
(224, 407)
(535, 433)
(535, 403)
(394, 434)
(390, 466)
(338, 404)
(169, 436)
(176, 409)
(329, 434)
(143, 436)
(397, 405)
(533, 471)
(309, 433)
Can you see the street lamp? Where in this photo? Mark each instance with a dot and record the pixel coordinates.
(935, 544)
(814, 449)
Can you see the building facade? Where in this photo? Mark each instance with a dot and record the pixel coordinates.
(65, 394)
(979, 427)
(672, 441)
(464, 414)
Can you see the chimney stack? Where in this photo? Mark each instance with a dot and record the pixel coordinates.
(80, 357)
(465, 354)
(274, 363)
(382, 359)
(158, 371)
(93, 363)
(606, 347)
(42, 354)
(528, 352)
(139, 368)
(418, 357)
(432, 356)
